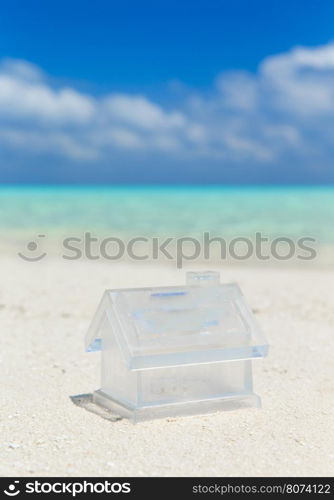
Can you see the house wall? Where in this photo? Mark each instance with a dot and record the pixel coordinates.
(169, 385)
(116, 380)
(195, 382)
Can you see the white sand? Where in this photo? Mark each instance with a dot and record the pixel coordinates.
(45, 309)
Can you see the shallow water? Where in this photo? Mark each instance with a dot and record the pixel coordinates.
(159, 211)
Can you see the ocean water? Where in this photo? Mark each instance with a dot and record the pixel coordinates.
(166, 211)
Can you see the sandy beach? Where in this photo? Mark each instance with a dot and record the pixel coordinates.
(45, 309)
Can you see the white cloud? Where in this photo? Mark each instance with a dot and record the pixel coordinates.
(21, 69)
(32, 100)
(121, 137)
(285, 108)
(301, 81)
(239, 90)
(55, 142)
(140, 112)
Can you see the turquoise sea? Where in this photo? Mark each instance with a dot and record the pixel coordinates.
(173, 211)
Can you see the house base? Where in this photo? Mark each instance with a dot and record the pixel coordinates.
(187, 408)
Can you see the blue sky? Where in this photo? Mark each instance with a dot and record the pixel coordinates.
(202, 92)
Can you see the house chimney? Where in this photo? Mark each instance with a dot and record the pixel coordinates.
(202, 278)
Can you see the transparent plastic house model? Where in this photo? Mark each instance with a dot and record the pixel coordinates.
(178, 350)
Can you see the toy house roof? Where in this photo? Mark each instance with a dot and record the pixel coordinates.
(202, 322)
